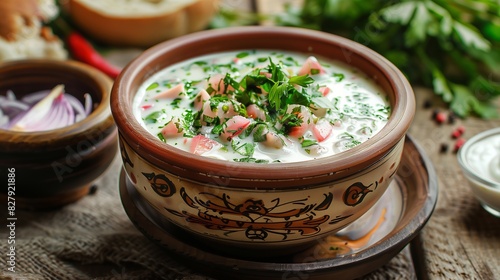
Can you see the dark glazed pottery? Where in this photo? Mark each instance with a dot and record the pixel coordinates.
(56, 167)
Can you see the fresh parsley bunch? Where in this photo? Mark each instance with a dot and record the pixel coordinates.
(452, 46)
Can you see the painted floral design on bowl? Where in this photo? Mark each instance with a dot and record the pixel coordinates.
(237, 214)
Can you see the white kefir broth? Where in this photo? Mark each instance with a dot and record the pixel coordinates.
(357, 107)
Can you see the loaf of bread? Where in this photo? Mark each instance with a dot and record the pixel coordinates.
(139, 23)
(22, 31)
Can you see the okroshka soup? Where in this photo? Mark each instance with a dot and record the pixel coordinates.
(261, 138)
(261, 106)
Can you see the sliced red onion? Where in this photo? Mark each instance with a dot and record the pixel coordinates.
(53, 118)
(69, 111)
(59, 116)
(14, 104)
(42, 110)
(88, 103)
(76, 104)
(34, 97)
(10, 95)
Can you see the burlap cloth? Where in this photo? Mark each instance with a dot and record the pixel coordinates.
(94, 239)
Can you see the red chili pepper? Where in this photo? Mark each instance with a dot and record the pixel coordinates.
(83, 51)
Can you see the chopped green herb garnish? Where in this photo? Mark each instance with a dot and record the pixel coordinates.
(175, 103)
(259, 132)
(338, 77)
(352, 144)
(308, 143)
(250, 159)
(242, 54)
(152, 86)
(153, 117)
(161, 137)
(244, 149)
(303, 81)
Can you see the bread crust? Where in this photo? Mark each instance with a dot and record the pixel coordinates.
(17, 15)
(22, 31)
(141, 31)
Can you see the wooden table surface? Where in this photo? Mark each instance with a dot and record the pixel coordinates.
(461, 240)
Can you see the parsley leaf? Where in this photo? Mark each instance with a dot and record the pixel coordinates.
(244, 149)
(153, 117)
(301, 80)
(447, 45)
(276, 94)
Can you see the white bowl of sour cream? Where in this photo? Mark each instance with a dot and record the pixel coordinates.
(479, 159)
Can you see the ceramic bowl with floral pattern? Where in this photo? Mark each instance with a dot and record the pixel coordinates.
(255, 206)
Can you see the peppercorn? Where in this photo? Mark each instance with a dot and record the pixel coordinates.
(427, 104)
(457, 132)
(93, 189)
(443, 148)
(458, 144)
(452, 118)
(434, 113)
(440, 117)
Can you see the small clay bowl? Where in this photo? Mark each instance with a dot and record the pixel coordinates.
(251, 208)
(56, 167)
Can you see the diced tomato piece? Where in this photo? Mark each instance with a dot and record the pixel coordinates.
(255, 112)
(200, 98)
(201, 144)
(324, 90)
(173, 92)
(322, 129)
(297, 131)
(234, 126)
(311, 67)
(172, 129)
(146, 106)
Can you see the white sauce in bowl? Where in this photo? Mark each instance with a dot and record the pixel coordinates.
(261, 106)
(483, 157)
(479, 158)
